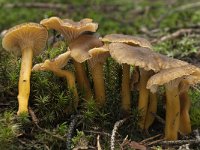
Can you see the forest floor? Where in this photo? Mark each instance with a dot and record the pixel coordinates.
(173, 28)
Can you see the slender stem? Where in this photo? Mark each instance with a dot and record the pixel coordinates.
(172, 113)
(24, 80)
(125, 91)
(99, 85)
(143, 96)
(70, 80)
(185, 125)
(152, 108)
(82, 80)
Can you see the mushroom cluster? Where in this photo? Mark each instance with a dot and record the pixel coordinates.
(86, 46)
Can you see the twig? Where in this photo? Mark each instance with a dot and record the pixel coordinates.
(155, 142)
(4, 104)
(35, 121)
(98, 132)
(161, 120)
(116, 126)
(149, 139)
(180, 142)
(71, 131)
(33, 116)
(98, 143)
(125, 142)
(176, 34)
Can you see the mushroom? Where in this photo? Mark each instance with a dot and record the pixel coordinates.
(171, 79)
(71, 30)
(150, 62)
(137, 56)
(87, 47)
(98, 57)
(163, 62)
(27, 40)
(133, 41)
(185, 125)
(55, 66)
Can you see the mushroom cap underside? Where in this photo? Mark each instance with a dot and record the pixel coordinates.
(80, 47)
(25, 36)
(187, 72)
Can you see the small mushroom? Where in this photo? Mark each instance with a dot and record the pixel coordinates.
(136, 42)
(27, 40)
(185, 125)
(171, 79)
(86, 47)
(137, 56)
(55, 66)
(150, 62)
(68, 28)
(72, 30)
(98, 57)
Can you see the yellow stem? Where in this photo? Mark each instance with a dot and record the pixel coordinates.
(125, 91)
(70, 81)
(99, 86)
(172, 113)
(185, 125)
(143, 96)
(82, 80)
(152, 108)
(24, 80)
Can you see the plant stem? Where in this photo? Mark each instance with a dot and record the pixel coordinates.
(143, 96)
(99, 85)
(70, 80)
(185, 125)
(152, 108)
(24, 80)
(125, 91)
(172, 113)
(82, 80)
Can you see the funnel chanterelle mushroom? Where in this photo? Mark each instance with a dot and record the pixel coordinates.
(88, 47)
(171, 78)
(72, 30)
(55, 66)
(151, 62)
(26, 39)
(124, 55)
(136, 56)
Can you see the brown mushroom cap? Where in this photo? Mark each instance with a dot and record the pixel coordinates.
(59, 62)
(171, 74)
(137, 56)
(98, 55)
(142, 57)
(165, 62)
(128, 39)
(79, 48)
(25, 36)
(69, 28)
